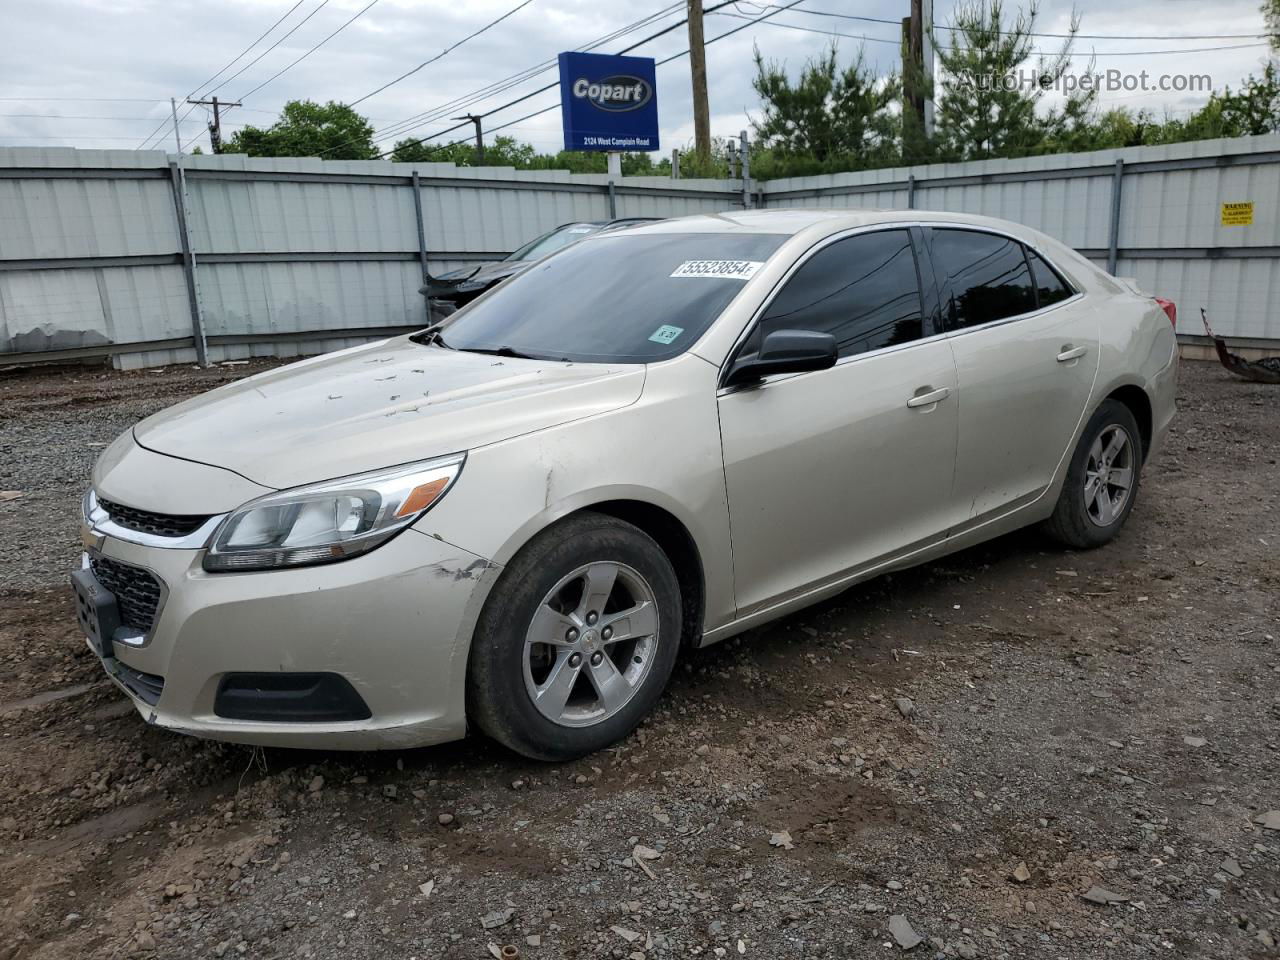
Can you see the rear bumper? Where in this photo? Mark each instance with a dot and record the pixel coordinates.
(393, 625)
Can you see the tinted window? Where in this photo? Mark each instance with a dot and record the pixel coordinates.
(984, 277)
(613, 297)
(1050, 288)
(863, 290)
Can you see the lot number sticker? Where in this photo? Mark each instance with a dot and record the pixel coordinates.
(666, 333)
(718, 269)
(1237, 214)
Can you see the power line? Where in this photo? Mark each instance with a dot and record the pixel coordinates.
(444, 52)
(313, 50)
(282, 39)
(556, 83)
(435, 113)
(803, 29)
(245, 51)
(195, 89)
(321, 6)
(554, 106)
(1105, 53)
(466, 100)
(85, 100)
(63, 116)
(1055, 36)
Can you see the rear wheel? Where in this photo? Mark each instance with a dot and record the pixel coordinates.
(1102, 480)
(577, 641)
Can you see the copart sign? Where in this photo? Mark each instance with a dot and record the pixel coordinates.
(608, 103)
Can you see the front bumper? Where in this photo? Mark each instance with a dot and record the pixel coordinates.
(394, 623)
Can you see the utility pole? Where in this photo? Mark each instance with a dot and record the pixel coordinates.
(476, 118)
(917, 61)
(215, 128)
(173, 107)
(926, 63)
(698, 67)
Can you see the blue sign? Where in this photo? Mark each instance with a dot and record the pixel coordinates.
(608, 103)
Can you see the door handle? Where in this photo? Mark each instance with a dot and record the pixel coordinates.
(927, 399)
(1071, 353)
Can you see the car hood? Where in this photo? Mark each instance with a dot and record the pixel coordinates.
(378, 405)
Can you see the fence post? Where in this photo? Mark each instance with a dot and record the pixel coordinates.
(675, 164)
(422, 241)
(1113, 248)
(911, 191)
(613, 202)
(178, 181)
(744, 151)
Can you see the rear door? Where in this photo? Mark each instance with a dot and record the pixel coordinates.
(1026, 353)
(829, 470)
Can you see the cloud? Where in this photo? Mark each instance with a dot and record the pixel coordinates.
(154, 49)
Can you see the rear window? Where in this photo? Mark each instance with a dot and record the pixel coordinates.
(621, 298)
(1050, 288)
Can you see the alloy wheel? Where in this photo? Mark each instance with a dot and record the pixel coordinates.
(1109, 475)
(590, 644)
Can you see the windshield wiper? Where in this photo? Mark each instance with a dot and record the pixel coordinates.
(503, 351)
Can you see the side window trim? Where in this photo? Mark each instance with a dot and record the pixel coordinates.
(1031, 274)
(911, 228)
(930, 298)
(931, 228)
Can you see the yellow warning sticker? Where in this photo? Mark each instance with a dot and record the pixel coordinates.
(1237, 214)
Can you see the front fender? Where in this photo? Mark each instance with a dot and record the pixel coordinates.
(663, 450)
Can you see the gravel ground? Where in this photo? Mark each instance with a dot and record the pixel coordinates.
(958, 754)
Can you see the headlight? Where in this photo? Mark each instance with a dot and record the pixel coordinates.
(329, 521)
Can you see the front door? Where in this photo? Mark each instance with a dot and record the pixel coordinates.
(831, 470)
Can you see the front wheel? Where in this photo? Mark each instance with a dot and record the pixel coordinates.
(577, 640)
(1102, 479)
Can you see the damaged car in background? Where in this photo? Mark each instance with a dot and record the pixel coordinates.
(451, 290)
(514, 521)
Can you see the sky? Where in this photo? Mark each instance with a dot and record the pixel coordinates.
(99, 73)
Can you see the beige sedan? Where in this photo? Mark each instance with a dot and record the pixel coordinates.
(653, 439)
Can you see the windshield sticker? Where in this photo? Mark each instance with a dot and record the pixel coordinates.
(719, 269)
(666, 333)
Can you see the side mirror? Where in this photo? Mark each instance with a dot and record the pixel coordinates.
(786, 351)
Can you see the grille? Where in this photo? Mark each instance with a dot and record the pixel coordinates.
(137, 591)
(144, 521)
(147, 687)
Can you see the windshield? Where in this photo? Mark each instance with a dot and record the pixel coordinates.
(553, 241)
(618, 298)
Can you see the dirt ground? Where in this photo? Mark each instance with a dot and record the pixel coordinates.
(1107, 719)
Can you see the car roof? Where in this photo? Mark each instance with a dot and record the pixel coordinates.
(801, 219)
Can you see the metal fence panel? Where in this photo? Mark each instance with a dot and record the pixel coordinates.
(293, 255)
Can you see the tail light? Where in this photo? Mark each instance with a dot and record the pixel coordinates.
(1170, 310)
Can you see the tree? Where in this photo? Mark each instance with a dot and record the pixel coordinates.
(1271, 13)
(306, 129)
(829, 117)
(990, 98)
(507, 151)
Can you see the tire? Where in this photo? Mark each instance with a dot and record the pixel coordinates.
(522, 661)
(1080, 519)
